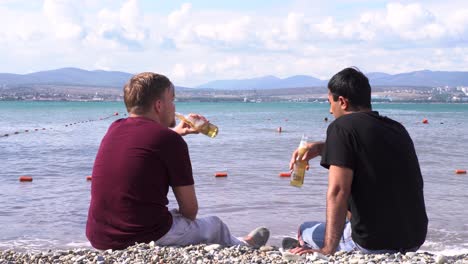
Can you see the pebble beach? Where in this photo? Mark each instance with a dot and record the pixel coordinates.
(149, 253)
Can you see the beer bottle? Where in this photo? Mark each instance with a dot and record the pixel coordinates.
(297, 176)
(200, 125)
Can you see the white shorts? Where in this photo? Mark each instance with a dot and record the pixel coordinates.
(206, 230)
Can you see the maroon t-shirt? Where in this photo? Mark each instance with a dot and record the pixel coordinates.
(136, 163)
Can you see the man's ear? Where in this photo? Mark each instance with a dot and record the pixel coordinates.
(157, 106)
(344, 103)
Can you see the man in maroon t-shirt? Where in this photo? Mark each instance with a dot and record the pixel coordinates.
(138, 159)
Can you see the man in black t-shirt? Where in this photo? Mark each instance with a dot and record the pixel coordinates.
(373, 172)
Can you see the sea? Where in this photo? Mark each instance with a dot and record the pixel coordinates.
(55, 143)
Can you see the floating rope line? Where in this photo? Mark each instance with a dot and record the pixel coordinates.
(66, 125)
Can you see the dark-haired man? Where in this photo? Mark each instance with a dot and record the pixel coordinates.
(138, 160)
(373, 172)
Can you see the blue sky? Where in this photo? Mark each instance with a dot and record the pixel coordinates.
(193, 42)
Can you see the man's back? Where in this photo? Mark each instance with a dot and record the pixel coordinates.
(136, 163)
(387, 191)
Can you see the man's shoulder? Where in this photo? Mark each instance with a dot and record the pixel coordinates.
(146, 130)
(357, 118)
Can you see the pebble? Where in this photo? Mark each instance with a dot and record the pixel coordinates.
(291, 257)
(440, 259)
(150, 253)
(266, 248)
(212, 247)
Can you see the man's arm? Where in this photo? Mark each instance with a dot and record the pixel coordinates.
(339, 189)
(314, 149)
(187, 200)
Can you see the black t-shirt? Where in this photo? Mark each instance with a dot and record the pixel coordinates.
(386, 201)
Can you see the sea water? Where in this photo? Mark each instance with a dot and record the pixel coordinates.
(51, 211)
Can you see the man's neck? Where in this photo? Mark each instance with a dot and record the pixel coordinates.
(362, 110)
(151, 116)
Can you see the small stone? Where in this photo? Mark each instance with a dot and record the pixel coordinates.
(440, 259)
(266, 248)
(151, 244)
(410, 254)
(321, 256)
(291, 257)
(80, 258)
(212, 247)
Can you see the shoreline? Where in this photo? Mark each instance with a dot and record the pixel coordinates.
(149, 253)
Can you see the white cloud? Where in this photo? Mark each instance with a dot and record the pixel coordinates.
(295, 26)
(457, 23)
(328, 28)
(130, 20)
(179, 72)
(228, 63)
(194, 44)
(234, 31)
(64, 17)
(177, 17)
(199, 68)
(413, 22)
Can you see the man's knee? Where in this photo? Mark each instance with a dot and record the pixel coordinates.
(307, 225)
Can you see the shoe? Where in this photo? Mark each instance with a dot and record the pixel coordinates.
(258, 237)
(289, 242)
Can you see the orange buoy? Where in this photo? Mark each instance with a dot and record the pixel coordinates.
(88, 178)
(221, 174)
(460, 171)
(285, 174)
(279, 129)
(425, 121)
(25, 179)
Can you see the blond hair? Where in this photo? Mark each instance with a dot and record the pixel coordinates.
(143, 89)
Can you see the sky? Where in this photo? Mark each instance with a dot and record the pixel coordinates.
(194, 42)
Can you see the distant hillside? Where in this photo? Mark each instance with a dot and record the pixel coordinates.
(424, 78)
(68, 76)
(115, 79)
(266, 82)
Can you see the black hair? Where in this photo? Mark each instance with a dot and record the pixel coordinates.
(352, 85)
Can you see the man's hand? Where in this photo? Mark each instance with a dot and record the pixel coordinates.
(307, 250)
(302, 250)
(184, 129)
(314, 149)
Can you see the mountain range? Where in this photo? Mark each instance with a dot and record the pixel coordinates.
(417, 78)
(68, 76)
(100, 78)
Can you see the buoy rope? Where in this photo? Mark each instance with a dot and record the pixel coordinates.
(4, 135)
